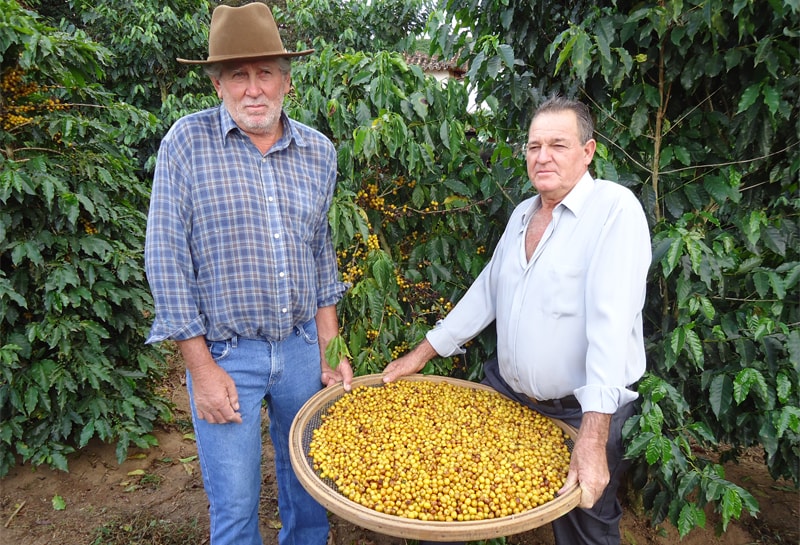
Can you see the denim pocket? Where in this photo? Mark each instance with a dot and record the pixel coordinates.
(219, 349)
(309, 332)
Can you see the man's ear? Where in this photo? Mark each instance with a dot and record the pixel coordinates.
(588, 151)
(287, 84)
(217, 86)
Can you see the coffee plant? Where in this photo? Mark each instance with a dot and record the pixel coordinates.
(73, 299)
(416, 198)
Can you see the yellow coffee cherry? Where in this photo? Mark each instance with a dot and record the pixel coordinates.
(372, 242)
(435, 451)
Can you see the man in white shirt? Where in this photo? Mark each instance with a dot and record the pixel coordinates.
(565, 288)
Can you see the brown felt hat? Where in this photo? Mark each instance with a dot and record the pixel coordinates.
(246, 32)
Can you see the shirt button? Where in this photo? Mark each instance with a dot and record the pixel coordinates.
(277, 235)
(281, 274)
(270, 199)
(284, 310)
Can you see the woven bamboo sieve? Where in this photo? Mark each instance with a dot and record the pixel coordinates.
(324, 490)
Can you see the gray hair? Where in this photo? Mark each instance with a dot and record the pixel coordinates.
(581, 111)
(214, 69)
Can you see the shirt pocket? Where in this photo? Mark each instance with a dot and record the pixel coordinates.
(565, 289)
(304, 209)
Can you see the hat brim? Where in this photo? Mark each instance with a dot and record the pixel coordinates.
(228, 58)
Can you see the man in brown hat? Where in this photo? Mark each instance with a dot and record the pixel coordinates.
(243, 273)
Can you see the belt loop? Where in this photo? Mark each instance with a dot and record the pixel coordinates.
(234, 341)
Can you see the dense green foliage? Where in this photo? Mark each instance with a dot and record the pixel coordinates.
(696, 109)
(414, 202)
(72, 292)
(379, 25)
(144, 43)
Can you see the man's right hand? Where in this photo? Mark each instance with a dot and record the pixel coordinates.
(214, 393)
(411, 363)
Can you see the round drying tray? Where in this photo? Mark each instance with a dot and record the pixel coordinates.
(325, 492)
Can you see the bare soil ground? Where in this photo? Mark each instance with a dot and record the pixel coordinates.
(162, 486)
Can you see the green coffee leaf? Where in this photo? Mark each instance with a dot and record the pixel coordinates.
(59, 504)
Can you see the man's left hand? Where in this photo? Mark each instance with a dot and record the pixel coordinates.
(343, 373)
(588, 465)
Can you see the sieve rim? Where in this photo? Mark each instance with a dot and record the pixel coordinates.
(326, 493)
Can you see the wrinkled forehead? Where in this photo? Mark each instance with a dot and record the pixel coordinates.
(561, 119)
(554, 126)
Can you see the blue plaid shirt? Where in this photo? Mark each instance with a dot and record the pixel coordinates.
(238, 243)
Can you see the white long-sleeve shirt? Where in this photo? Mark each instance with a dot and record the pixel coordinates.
(569, 321)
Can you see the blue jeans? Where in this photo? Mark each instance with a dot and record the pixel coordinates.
(285, 374)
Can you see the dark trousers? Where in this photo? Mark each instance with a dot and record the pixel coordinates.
(600, 524)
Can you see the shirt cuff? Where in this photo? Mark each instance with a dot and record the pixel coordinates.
(332, 295)
(443, 342)
(163, 330)
(603, 399)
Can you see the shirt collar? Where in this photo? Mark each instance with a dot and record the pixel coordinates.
(536, 202)
(574, 201)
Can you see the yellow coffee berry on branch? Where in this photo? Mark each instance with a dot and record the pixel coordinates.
(21, 101)
(372, 243)
(436, 451)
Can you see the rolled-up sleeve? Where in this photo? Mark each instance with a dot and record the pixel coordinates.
(473, 313)
(168, 260)
(615, 294)
(328, 286)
